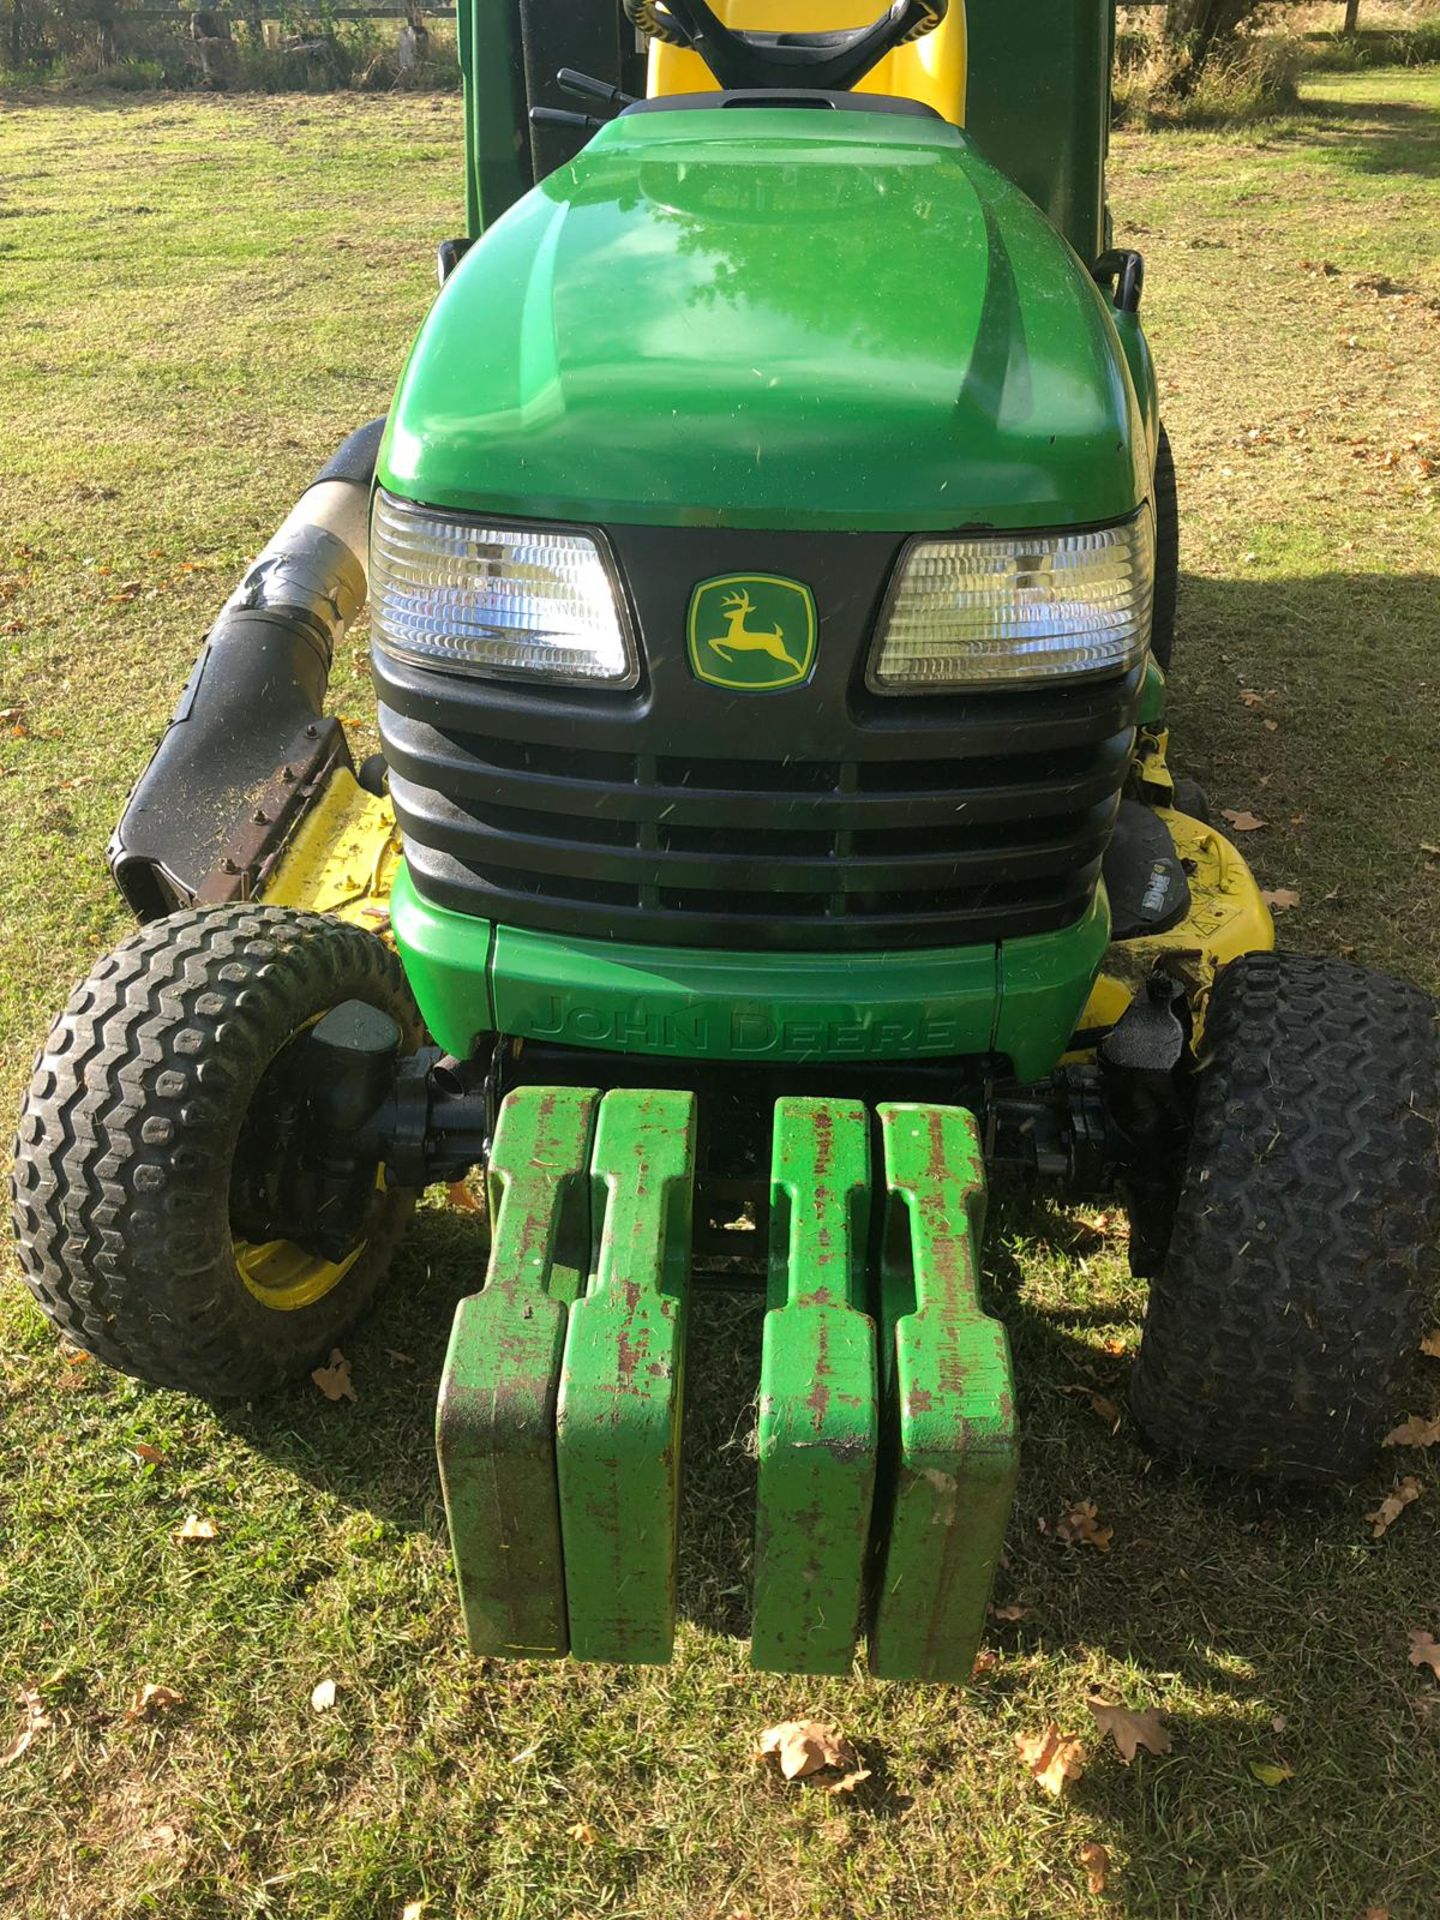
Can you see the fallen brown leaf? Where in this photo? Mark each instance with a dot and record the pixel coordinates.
(1100, 1404)
(148, 1456)
(459, 1195)
(334, 1380)
(1012, 1611)
(1249, 695)
(1052, 1758)
(1431, 1344)
(1425, 1650)
(152, 1700)
(1096, 1862)
(1417, 1431)
(803, 1747)
(399, 1359)
(1080, 1527)
(986, 1661)
(1131, 1730)
(584, 1833)
(163, 1838)
(1393, 1505)
(1243, 822)
(196, 1529)
(36, 1721)
(1280, 899)
(322, 1696)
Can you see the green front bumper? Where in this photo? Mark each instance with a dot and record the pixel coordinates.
(1020, 999)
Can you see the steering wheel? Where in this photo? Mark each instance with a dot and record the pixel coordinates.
(822, 62)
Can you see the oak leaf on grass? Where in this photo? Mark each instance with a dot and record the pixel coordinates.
(1431, 1344)
(805, 1747)
(1393, 1505)
(1081, 1527)
(1280, 899)
(333, 1379)
(1417, 1431)
(1053, 1759)
(1129, 1729)
(1425, 1650)
(1242, 821)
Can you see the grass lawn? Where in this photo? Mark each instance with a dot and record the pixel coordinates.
(197, 298)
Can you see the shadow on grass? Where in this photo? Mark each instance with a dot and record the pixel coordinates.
(1369, 136)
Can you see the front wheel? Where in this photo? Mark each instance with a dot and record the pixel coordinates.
(1305, 1234)
(160, 1131)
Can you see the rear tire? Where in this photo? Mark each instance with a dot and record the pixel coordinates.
(127, 1146)
(1305, 1232)
(1167, 555)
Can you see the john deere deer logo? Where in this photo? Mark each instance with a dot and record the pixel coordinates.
(752, 632)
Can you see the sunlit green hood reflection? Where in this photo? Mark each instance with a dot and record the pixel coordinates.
(771, 318)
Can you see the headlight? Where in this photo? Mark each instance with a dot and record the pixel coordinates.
(515, 603)
(1004, 610)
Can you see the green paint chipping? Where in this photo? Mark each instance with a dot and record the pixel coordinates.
(952, 1450)
(618, 1421)
(495, 1423)
(818, 1399)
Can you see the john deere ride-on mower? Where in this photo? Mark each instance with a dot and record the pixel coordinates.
(771, 551)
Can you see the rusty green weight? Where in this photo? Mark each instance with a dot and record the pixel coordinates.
(952, 1440)
(818, 1398)
(495, 1422)
(618, 1417)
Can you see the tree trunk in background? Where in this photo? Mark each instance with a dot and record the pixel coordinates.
(1352, 16)
(1193, 30)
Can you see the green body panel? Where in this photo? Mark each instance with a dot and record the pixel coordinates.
(1044, 984)
(772, 319)
(952, 1448)
(1022, 997)
(618, 1416)
(495, 1422)
(819, 1418)
(1037, 103)
(497, 170)
(1141, 362)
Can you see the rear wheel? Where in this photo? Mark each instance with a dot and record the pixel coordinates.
(1304, 1236)
(1167, 555)
(159, 1133)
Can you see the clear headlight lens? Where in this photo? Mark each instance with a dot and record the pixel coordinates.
(517, 603)
(1003, 610)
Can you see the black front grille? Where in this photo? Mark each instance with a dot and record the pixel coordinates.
(821, 818)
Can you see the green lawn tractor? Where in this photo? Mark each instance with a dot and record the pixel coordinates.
(771, 551)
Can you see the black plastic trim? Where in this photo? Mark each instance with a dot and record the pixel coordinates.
(784, 97)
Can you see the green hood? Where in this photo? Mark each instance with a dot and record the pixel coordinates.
(772, 318)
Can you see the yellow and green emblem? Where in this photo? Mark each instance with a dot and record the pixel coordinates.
(752, 632)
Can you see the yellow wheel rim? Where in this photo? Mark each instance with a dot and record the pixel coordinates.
(285, 1277)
